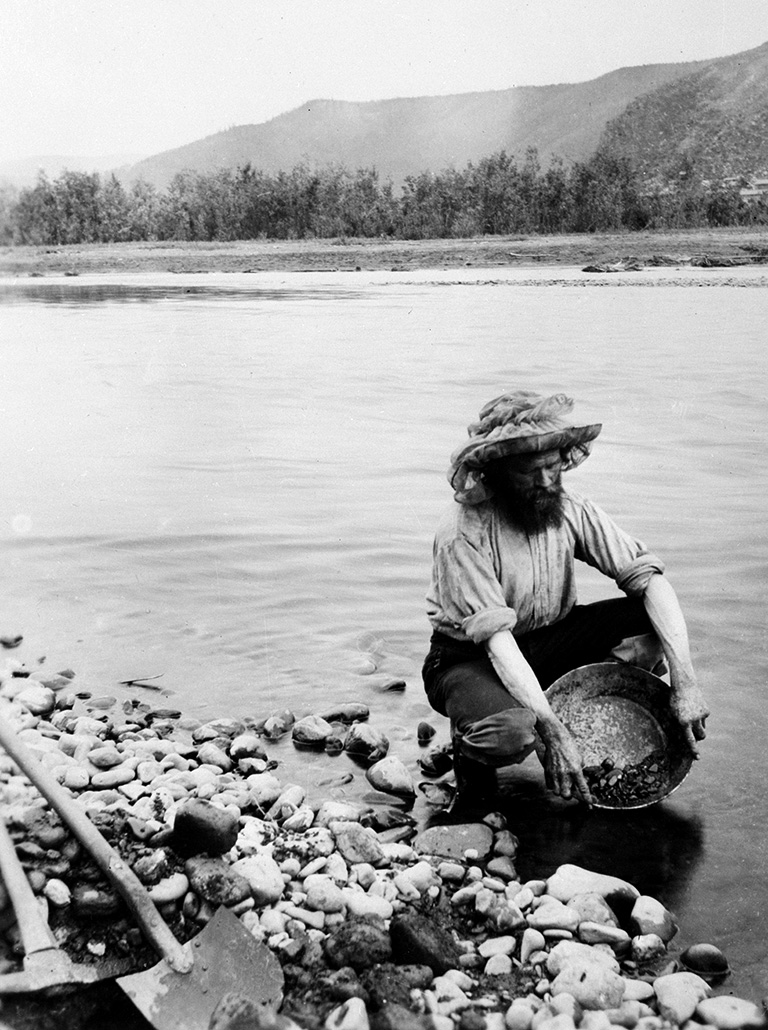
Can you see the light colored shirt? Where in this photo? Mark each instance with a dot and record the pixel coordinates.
(489, 575)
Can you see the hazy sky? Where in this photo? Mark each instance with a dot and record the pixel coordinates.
(98, 77)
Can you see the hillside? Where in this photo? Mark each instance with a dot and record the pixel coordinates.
(405, 136)
(715, 118)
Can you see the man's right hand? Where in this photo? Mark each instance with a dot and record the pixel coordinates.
(563, 767)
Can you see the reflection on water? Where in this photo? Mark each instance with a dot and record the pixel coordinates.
(236, 487)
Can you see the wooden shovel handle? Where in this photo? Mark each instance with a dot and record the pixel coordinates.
(35, 933)
(121, 875)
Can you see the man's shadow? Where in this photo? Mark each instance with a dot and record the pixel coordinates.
(655, 848)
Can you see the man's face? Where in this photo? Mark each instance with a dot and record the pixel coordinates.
(529, 488)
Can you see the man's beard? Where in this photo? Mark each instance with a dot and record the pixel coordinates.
(534, 510)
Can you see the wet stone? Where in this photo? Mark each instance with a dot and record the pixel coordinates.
(453, 842)
(366, 742)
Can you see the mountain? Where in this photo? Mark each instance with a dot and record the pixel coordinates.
(716, 117)
(24, 171)
(406, 136)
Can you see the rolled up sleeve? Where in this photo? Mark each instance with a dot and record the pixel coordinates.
(614, 552)
(634, 578)
(470, 594)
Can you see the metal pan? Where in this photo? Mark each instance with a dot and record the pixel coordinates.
(620, 714)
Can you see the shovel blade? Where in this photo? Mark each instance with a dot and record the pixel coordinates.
(227, 959)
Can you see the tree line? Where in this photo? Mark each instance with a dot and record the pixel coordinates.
(495, 196)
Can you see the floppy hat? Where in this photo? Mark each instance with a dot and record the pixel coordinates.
(517, 423)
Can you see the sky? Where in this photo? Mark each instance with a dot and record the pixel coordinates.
(136, 77)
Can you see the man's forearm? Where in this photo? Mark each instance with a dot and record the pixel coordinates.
(520, 681)
(666, 616)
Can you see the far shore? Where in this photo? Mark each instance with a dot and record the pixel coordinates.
(723, 247)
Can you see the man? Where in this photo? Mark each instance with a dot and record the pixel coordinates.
(502, 601)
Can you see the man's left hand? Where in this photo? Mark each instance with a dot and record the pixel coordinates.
(689, 708)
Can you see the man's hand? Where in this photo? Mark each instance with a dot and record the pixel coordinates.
(689, 707)
(563, 765)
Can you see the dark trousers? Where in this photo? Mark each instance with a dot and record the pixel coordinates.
(461, 682)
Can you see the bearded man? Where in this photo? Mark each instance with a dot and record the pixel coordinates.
(502, 601)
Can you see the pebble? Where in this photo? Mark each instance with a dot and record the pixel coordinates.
(216, 881)
(390, 776)
(58, 893)
(363, 740)
(39, 700)
(554, 916)
(356, 844)
(263, 877)
(453, 842)
(312, 731)
(171, 888)
(650, 916)
(728, 1013)
(105, 757)
(569, 880)
(497, 946)
(317, 883)
(111, 778)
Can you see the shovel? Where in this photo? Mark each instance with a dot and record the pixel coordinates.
(183, 989)
(45, 964)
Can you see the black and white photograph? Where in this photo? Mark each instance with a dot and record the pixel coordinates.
(384, 551)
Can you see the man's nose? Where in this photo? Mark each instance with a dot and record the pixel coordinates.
(545, 477)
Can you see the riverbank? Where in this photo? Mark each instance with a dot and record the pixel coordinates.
(650, 248)
(365, 918)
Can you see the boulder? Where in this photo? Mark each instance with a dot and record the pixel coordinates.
(419, 940)
(390, 776)
(358, 943)
(200, 827)
(569, 880)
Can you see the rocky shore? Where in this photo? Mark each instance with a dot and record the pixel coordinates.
(374, 922)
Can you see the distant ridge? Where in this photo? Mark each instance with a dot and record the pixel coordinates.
(715, 118)
(23, 171)
(406, 136)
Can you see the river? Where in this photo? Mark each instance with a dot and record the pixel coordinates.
(231, 482)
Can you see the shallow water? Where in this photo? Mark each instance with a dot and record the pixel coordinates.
(231, 483)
